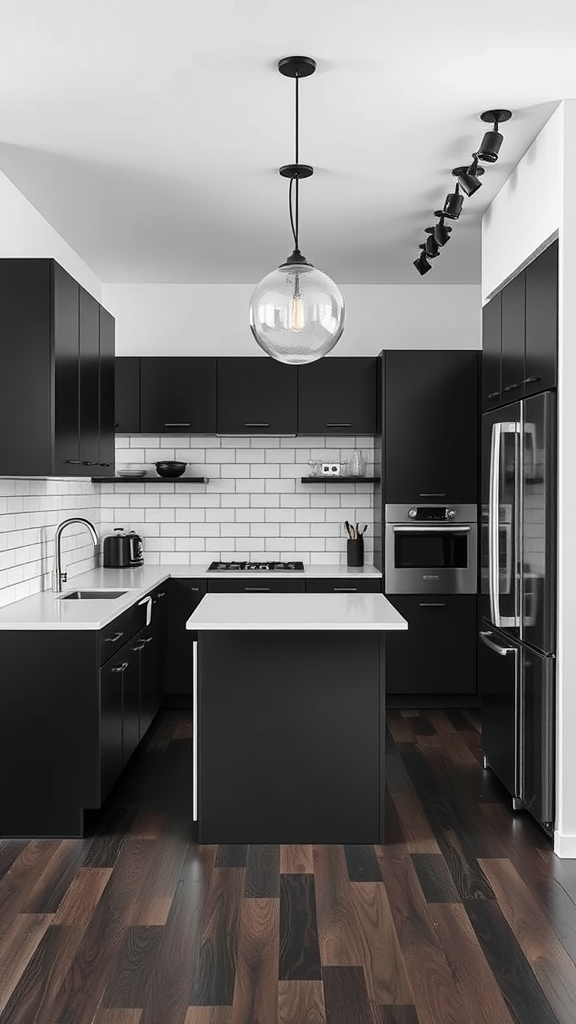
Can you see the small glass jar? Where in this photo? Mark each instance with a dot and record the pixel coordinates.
(357, 463)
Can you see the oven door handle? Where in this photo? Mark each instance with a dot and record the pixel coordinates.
(432, 529)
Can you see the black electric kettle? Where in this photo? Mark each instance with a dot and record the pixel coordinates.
(116, 548)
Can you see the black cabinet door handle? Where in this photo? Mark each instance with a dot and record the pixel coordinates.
(432, 494)
(432, 604)
(86, 463)
(511, 387)
(120, 668)
(140, 647)
(162, 593)
(147, 640)
(338, 424)
(531, 380)
(494, 394)
(259, 589)
(351, 590)
(256, 424)
(102, 463)
(191, 588)
(113, 639)
(176, 424)
(74, 462)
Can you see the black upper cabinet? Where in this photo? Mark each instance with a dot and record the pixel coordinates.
(53, 416)
(337, 396)
(256, 396)
(89, 347)
(541, 371)
(513, 333)
(492, 352)
(106, 393)
(178, 395)
(127, 386)
(527, 337)
(430, 426)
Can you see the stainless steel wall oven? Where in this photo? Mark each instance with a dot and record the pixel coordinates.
(430, 549)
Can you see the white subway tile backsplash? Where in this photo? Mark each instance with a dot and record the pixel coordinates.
(254, 506)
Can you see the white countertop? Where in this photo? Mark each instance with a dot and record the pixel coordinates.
(296, 611)
(48, 611)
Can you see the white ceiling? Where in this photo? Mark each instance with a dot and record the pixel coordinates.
(149, 133)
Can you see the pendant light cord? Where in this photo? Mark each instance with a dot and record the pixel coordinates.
(294, 213)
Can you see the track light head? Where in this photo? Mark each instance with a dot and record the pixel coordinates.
(469, 177)
(441, 230)
(490, 146)
(421, 263)
(453, 204)
(431, 247)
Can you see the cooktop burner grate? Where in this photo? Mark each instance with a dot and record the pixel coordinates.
(256, 567)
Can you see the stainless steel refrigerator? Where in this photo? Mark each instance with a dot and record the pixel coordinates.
(518, 600)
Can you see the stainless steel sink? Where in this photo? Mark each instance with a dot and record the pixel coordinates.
(93, 595)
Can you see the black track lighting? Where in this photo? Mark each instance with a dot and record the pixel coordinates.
(490, 145)
(441, 230)
(453, 204)
(421, 263)
(469, 177)
(431, 248)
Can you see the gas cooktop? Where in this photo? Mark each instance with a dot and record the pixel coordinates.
(256, 567)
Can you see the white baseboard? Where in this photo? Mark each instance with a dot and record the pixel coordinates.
(564, 845)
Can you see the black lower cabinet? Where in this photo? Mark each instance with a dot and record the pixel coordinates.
(73, 708)
(183, 596)
(435, 660)
(290, 733)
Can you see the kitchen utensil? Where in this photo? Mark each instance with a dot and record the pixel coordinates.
(349, 530)
(170, 469)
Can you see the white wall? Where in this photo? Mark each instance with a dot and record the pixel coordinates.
(527, 211)
(212, 319)
(25, 233)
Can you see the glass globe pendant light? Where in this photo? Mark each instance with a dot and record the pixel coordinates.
(296, 313)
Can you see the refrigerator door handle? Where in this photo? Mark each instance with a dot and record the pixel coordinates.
(498, 429)
(484, 635)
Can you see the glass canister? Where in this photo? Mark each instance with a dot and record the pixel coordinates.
(357, 463)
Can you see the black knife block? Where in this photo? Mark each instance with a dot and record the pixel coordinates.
(355, 552)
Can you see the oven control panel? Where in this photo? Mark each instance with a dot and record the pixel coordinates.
(431, 513)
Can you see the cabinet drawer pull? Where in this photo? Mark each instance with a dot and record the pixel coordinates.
(531, 380)
(267, 589)
(162, 593)
(494, 394)
(432, 604)
(176, 424)
(86, 463)
(347, 589)
(191, 588)
(148, 640)
(139, 647)
(338, 424)
(256, 424)
(432, 494)
(120, 668)
(113, 639)
(102, 463)
(511, 387)
(74, 462)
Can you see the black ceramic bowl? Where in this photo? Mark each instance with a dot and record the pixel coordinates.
(170, 468)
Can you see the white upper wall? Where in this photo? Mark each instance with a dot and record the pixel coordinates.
(212, 319)
(527, 211)
(25, 233)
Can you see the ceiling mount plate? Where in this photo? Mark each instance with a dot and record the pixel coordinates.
(296, 171)
(490, 116)
(297, 67)
(457, 171)
(440, 213)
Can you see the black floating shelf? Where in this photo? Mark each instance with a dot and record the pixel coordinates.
(339, 479)
(149, 480)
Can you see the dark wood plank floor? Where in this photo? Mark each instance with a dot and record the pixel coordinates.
(464, 916)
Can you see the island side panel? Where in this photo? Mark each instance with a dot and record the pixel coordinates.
(290, 736)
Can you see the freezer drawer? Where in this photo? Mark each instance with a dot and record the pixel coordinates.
(517, 689)
(498, 683)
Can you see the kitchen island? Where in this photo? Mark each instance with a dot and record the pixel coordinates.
(289, 717)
